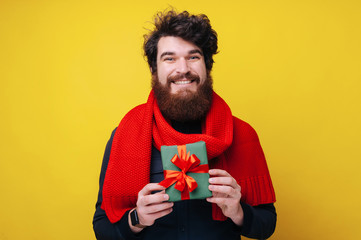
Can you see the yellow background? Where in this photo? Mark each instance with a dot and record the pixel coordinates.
(69, 71)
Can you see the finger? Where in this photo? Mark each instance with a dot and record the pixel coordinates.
(218, 201)
(161, 213)
(151, 209)
(227, 190)
(219, 172)
(150, 187)
(229, 181)
(157, 192)
(152, 199)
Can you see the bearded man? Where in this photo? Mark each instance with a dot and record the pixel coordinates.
(182, 108)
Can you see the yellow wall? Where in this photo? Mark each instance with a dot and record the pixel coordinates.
(69, 70)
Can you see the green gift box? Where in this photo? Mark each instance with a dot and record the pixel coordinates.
(185, 171)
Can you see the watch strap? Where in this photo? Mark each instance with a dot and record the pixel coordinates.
(135, 219)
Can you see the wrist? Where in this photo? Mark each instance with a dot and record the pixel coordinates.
(238, 216)
(134, 222)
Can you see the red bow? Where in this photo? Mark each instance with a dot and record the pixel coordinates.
(186, 163)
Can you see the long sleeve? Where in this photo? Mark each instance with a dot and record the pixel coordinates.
(103, 228)
(259, 221)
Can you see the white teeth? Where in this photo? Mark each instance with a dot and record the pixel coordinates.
(182, 82)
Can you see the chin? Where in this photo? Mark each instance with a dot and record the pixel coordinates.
(183, 92)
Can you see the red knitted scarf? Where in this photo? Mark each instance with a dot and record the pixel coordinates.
(232, 145)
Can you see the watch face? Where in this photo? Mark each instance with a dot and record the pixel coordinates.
(134, 217)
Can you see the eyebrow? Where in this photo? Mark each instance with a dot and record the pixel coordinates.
(196, 51)
(173, 53)
(167, 53)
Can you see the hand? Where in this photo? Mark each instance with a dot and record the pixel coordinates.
(151, 206)
(226, 194)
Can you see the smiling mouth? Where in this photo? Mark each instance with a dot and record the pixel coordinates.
(182, 82)
(183, 79)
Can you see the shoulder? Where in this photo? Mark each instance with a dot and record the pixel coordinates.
(130, 122)
(136, 110)
(133, 114)
(244, 131)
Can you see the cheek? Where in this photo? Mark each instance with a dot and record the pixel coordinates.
(162, 76)
(164, 72)
(202, 72)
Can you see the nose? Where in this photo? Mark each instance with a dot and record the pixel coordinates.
(182, 66)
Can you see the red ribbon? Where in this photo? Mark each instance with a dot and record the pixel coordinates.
(187, 163)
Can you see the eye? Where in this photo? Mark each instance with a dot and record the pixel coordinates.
(168, 59)
(194, 57)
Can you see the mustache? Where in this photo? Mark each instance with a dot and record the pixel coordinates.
(189, 76)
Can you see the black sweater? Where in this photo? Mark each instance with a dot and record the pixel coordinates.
(190, 219)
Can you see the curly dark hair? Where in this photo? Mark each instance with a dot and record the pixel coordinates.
(193, 28)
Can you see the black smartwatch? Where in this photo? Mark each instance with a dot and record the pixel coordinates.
(135, 220)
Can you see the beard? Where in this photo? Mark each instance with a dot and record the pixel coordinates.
(184, 105)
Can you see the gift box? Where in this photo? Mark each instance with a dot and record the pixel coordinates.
(185, 171)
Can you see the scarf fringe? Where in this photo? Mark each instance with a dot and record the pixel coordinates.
(264, 194)
(116, 207)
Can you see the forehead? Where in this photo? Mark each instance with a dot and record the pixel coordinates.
(175, 45)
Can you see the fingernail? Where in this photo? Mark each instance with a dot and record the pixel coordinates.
(211, 180)
(166, 197)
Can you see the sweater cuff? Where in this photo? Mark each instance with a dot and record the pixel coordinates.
(247, 218)
(259, 221)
